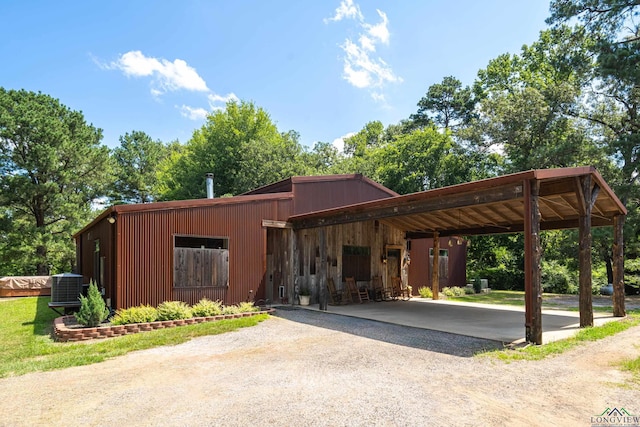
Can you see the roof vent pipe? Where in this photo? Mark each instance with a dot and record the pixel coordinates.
(209, 178)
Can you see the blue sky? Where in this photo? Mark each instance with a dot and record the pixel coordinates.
(323, 69)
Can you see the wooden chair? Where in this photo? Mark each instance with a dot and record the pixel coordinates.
(337, 296)
(361, 294)
(397, 290)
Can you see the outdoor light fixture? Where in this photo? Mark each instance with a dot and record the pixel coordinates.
(111, 219)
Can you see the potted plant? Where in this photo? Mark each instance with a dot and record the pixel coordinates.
(305, 295)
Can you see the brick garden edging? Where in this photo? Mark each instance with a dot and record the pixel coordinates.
(62, 332)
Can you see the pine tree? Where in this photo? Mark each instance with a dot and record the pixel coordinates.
(92, 308)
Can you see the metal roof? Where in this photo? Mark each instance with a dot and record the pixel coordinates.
(489, 206)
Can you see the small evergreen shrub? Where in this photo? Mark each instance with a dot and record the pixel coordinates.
(138, 314)
(206, 307)
(454, 291)
(230, 309)
(425, 292)
(469, 290)
(93, 310)
(174, 310)
(245, 307)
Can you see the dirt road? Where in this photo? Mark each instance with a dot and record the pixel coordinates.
(288, 372)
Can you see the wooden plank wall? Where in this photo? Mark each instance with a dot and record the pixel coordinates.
(367, 233)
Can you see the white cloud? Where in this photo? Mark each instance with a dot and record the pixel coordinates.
(166, 76)
(218, 102)
(347, 9)
(379, 31)
(193, 113)
(339, 142)
(361, 68)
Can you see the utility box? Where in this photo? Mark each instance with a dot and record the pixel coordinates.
(66, 287)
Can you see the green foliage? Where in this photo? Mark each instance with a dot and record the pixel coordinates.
(469, 290)
(247, 307)
(501, 278)
(446, 104)
(92, 308)
(230, 309)
(241, 146)
(425, 292)
(454, 291)
(557, 279)
(206, 307)
(174, 310)
(136, 168)
(52, 167)
(138, 314)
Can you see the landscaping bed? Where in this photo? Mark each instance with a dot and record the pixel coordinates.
(67, 329)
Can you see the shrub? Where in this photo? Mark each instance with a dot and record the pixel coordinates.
(138, 314)
(93, 310)
(557, 279)
(501, 278)
(173, 310)
(206, 307)
(230, 309)
(425, 292)
(245, 307)
(454, 291)
(469, 290)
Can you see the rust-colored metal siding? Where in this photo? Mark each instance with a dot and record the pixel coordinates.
(85, 244)
(311, 196)
(420, 268)
(145, 250)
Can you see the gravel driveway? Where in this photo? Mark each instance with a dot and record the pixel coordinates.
(340, 372)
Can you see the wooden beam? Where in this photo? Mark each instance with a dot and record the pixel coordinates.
(532, 255)
(322, 279)
(269, 223)
(618, 267)
(435, 267)
(496, 194)
(584, 254)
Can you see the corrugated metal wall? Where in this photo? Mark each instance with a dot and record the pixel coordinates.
(420, 269)
(145, 250)
(314, 196)
(85, 244)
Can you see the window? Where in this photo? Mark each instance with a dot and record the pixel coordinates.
(356, 262)
(443, 262)
(200, 261)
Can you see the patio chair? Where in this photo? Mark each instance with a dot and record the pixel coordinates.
(361, 294)
(398, 290)
(337, 296)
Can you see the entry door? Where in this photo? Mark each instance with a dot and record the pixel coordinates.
(393, 264)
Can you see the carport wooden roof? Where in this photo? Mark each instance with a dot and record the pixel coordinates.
(524, 202)
(489, 206)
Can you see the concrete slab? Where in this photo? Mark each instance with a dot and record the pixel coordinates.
(493, 322)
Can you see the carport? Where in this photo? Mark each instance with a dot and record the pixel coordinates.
(524, 202)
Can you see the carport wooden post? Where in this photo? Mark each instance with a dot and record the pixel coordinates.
(532, 253)
(618, 267)
(586, 198)
(435, 268)
(322, 280)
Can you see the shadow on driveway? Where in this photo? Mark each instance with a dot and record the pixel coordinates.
(424, 339)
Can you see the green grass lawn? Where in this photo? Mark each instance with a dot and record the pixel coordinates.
(27, 345)
(517, 298)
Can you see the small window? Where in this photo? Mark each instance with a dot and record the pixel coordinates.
(356, 262)
(200, 262)
(201, 242)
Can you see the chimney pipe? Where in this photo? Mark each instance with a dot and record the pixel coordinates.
(209, 179)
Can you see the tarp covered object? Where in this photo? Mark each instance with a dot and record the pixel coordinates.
(26, 282)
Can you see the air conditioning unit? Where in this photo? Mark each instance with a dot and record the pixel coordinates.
(484, 283)
(66, 287)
